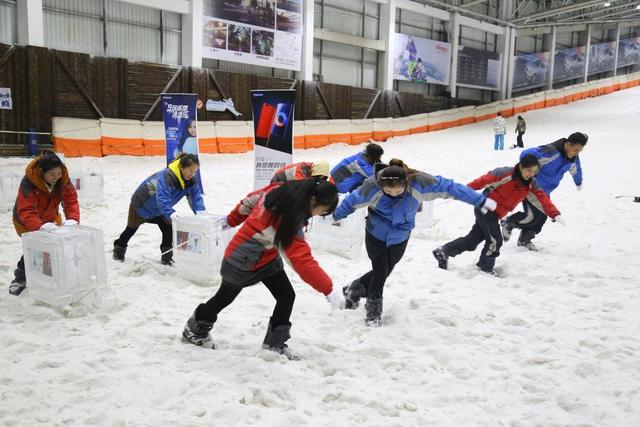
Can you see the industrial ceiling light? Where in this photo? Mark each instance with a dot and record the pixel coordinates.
(607, 4)
(638, 6)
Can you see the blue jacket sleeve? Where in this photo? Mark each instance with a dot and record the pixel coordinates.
(195, 199)
(448, 188)
(356, 199)
(533, 150)
(163, 196)
(576, 172)
(367, 168)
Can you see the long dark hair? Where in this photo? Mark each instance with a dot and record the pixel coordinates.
(290, 205)
(184, 133)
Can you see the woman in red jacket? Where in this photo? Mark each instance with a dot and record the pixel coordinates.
(508, 186)
(272, 219)
(45, 185)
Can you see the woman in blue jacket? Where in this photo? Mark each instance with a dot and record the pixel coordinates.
(393, 196)
(153, 202)
(352, 171)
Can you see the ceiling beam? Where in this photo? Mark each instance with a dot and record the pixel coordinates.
(604, 11)
(557, 11)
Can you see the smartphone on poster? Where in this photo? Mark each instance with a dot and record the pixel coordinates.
(267, 113)
(281, 121)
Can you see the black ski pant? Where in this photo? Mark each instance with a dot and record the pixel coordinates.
(279, 286)
(530, 221)
(134, 222)
(486, 228)
(519, 139)
(383, 259)
(19, 272)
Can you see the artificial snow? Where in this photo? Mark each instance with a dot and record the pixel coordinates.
(554, 343)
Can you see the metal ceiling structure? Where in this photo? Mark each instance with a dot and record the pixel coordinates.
(531, 13)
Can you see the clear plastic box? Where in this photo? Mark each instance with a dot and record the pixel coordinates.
(66, 265)
(9, 185)
(89, 185)
(199, 243)
(345, 239)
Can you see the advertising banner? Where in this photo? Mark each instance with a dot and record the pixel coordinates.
(421, 60)
(602, 57)
(273, 128)
(530, 70)
(5, 98)
(260, 32)
(628, 52)
(569, 63)
(180, 125)
(478, 68)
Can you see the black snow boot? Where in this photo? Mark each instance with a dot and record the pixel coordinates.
(442, 258)
(197, 331)
(507, 228)
(166, 257)
(119, 251)
(16, 287)
(275, 340)
(353, 293)
(373, 306)
(525, 240)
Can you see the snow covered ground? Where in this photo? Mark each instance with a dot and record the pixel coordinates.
(555, 343)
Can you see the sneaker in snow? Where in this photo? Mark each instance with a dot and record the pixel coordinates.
(529, 245)
(374, 323)
(507, 228)
(441, 257)
(284, 350)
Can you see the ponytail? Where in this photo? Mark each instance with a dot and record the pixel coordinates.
(290, 204)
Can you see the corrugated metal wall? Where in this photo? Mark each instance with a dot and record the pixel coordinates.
(8, 22)
(132, 31)
(344, 64)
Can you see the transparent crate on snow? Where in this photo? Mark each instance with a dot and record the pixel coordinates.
(89, 185)
(199, 243)
(66, 265)
(345, 239)
(9, 185)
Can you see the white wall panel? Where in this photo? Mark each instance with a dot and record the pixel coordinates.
(76, 33)
(8, 22)
(133, 42)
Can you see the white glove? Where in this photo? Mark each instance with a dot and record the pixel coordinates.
(489, 204)
(201, 212)
(560, 220)
(174, 216)
(224, 224)
(336, 298)
(68, 222)
(579, 187)
(48, 226)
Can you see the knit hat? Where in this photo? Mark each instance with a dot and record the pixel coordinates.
(320, 168)
(578, 138)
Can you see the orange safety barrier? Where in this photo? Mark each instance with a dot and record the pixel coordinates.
(382, 128)
(316, 135)
(121, 137)
(234, 136)
(207, 138)
(76, 137)
(361, 131)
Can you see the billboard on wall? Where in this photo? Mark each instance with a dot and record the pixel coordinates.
(259, 32)
(569, 63)
(628, 52)
(421, 60)
(478, 68)
(531, 70)
(602, 57)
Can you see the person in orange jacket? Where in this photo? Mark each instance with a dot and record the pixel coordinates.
(302, 170)
(507, 186)
(44, 187)
(272, 219)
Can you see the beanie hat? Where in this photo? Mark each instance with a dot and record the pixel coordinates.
(49, 161)
(578, 138)
(320, 168)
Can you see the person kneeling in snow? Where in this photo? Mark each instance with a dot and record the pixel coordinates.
(506, 186)
(153, 202)
(394, 195)
(44, 187)
(353, 170)
(272, 219)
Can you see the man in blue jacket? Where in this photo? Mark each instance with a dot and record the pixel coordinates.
(353, 170)
(555, 160)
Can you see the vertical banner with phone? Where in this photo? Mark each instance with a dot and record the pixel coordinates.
(273, 128)
(180, 126)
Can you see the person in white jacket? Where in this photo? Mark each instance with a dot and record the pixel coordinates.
(499, 129)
